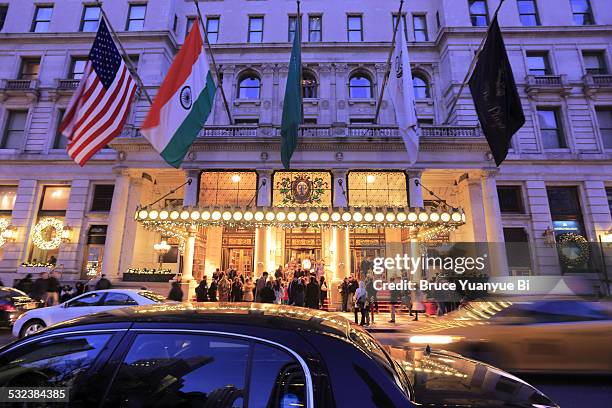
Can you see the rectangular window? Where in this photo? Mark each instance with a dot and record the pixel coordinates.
(14, 133)
(550, 127)
(42, 19)
(537, 63)
(604, 119)
(394, 22)
(581, 9)
(315, 28)
(419, 23)
(77, 68)
(30, 68)
(190, 21)
(102, 197)
(55, 198)
(517, 247)
(3, 12)
(528, 12)
(136, 17)
(354, 28)
(510, 199)
(479, 14)
(292, 26)
(60, 140)
(8, 196)
(595, 62)
(212, 29)
(90, 19)
(256, 27)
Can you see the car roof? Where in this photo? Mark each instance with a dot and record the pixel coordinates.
(245, 314)
(118, 290)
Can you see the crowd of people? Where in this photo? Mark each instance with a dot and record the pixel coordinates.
(298, 287)
(48, 290)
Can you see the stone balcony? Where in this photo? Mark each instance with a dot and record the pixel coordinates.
(19, 88)
(537, 84)
(63, 87)
(324, 131)
(596, 83)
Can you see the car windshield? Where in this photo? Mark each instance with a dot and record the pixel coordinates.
(155, 297)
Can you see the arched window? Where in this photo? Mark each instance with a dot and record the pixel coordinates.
(249, 86)
(309, 85)
(360, 86)
(421, 88)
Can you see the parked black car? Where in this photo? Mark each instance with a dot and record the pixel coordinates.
(13, 303)
(246, 355)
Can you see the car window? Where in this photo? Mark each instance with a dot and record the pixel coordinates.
(9, 293)
(88, 299)
(118, 299)
(52, 362)
(157, 298)
(277, 379)
(552, 312)
(178, 369)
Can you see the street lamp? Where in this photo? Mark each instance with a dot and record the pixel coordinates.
(162, 249)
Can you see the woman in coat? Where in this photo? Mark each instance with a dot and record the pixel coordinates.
(202, 290)
(176, 293)
(312, 293)
(247, 290)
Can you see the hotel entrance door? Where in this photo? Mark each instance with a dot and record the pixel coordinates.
(302, 243)
(238, 249)
(366, 244)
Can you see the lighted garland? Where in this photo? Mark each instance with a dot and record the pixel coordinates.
(37, 265)
(147, 271)
(37, 233)
(4, 223)
(573, 239)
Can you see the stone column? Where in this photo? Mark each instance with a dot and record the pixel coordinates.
(495, 229)
(340, 198)
(71, 253)
(341, 91)
(545, 258)
(260, 251)
(267, 94)
(23, 218)
(415, 191)
(190, 198)
(475, 213)
(264, 191)
(116, 223)
(343, 259)
(131, 225)
(326, 94)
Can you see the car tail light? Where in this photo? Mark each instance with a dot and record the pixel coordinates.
(7, 308)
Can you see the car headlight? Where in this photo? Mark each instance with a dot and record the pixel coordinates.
(433, 339)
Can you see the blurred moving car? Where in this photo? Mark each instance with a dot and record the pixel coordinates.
(564, 336)
(13, 303)
(87, 303)
(247, 355)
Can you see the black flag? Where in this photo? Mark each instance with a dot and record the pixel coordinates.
(495, 96)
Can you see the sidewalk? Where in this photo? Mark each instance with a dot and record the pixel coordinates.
(403, 321)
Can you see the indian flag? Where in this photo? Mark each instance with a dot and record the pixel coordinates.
(183, 102)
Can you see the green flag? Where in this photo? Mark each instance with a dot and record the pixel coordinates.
(292, 105)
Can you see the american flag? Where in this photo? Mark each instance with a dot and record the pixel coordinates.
(101, 103)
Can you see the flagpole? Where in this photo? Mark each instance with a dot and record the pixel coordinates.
(472, 66)
(298, 31)
(388, 67)
(125, 56)
(212, 59)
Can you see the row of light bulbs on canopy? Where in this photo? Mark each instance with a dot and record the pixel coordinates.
(290, 216)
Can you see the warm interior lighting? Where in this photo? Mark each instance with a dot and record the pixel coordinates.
(235, 178)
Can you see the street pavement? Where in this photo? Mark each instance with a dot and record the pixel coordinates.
(569, 391)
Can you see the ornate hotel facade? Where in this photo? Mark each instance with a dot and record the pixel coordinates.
(351, 192)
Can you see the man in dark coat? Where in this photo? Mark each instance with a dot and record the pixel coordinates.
(312, 293)
(202, 291)
(26, 284)
(344, 292)
(41, 285)
(267, 293)
(261, 283)
(296, 292)
(103, 283)
(212, 290)
(176, 293)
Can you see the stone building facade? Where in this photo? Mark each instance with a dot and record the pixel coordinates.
(556, 180)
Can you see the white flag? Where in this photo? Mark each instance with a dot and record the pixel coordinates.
(402, 94)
